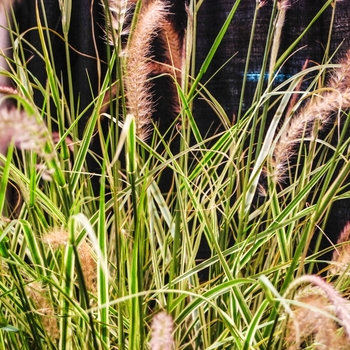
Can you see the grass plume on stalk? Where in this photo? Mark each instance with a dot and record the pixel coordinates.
(320, 112)
(40, 297)
(173, 50)
(282, 6)
(341, 255)
(57, 239)
(153, 21)
(23, 130)
(121, 12)
(162, 329)
(138, 65)
(315, 318)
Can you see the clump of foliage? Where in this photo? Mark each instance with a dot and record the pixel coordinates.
(117, 269)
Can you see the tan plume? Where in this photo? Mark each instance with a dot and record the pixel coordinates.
(282, 6)
(59, 238)
(39, 295)
(329, 302)
(173, 49)
(138, 66)
(341, 256)
(314, 316)
(154, 21)
(320, 111)
(25, 131)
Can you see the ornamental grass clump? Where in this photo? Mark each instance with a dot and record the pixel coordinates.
(126, 227)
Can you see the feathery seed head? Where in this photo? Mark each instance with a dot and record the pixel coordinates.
(340, 77)
(315, 323)
(38, 294)
(153, 21)
(6, 2)
(138, 66)
(120, 14)
(23, 130)
(262, 3)
(341, 255)
(56, 239)
(162, 328)
(318, 113)
(59, 238)
(173, 50)
(283, 4)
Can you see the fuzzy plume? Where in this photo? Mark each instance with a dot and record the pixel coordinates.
(341, 255)
(261, 3)
(340, 79)
(314, 325)
(138, 66)
(120, 18)
(23, 130)
(38, 294)
(320, 111)
(313, 322)
(282, 6)
(162, 329)
(59, 238)
(7, 2)
(154, 21)
(173, 49)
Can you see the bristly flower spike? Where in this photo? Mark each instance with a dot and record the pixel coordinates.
(23, 130)
(138, 65)
(320, 111)
(162, 329)
(120, 12)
